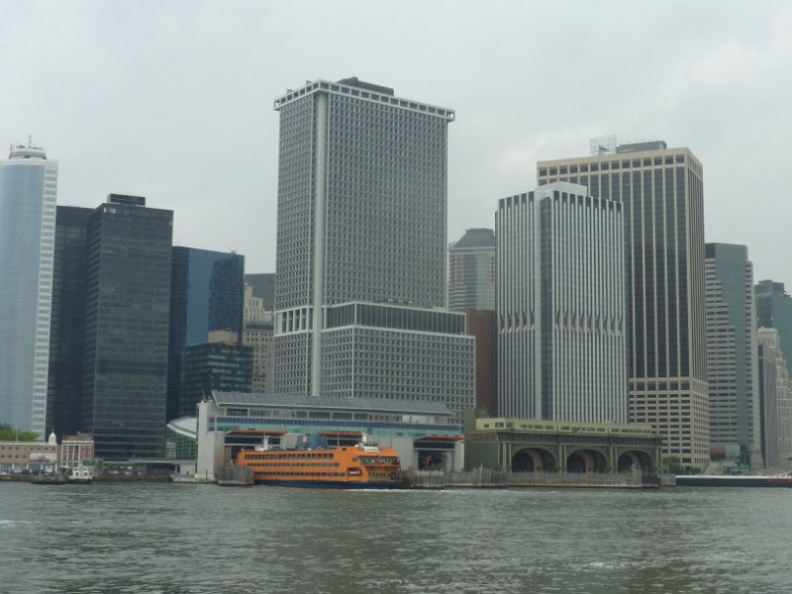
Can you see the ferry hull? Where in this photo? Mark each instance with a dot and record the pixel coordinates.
(328, 484)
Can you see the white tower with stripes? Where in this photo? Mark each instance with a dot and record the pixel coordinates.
(561, 306)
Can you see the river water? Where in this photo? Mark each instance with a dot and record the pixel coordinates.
(175, 538)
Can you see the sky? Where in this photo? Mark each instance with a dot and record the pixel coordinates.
(173, 100)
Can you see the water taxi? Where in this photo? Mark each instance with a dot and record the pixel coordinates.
(313, 463)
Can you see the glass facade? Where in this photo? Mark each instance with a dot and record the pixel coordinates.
(126, 330)
(214, 366)
(774, 310)
(68, 320)
(207, 294)
(28, 190)
(471, 271)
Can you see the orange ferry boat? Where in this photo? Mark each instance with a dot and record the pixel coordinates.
(313, 463)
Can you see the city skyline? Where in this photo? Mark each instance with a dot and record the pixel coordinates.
(684, 90)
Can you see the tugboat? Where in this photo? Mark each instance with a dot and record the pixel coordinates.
(81, 475)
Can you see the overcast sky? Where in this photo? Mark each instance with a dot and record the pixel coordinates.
(173, 100)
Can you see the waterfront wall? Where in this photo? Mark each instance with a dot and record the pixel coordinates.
(493, 479)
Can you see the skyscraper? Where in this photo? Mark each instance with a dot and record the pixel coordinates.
(775, 397)
(774, 310)
(471, 278)
(207, 294)
(561, 306)
(362, 221)
(221, 363)
(68, 320)
(125, 358)
(731, 353)
(661, 190)
(28, 190)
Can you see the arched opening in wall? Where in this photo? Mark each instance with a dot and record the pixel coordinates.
(533, 460)
(586, 461)
(635, 460)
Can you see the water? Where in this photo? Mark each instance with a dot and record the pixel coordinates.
(180, 539)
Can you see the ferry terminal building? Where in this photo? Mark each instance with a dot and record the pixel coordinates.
(427, 435)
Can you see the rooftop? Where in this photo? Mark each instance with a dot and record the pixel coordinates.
(416, 407)
(364, 91)
(476, 238)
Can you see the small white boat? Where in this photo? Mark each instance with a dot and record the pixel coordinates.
(81, 475)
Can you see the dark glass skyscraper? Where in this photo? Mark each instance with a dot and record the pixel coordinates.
(223, 366)
(207, 294)
(663, 196)
(125, 359)
(68, 320)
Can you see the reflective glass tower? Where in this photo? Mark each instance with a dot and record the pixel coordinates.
(471, 275)
(28, 190)
(207, 294)
(662, 193)
(68, 320)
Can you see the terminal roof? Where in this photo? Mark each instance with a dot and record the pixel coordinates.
(415, 407)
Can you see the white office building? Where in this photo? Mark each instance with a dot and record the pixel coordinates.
(361, 249)
(561, 308)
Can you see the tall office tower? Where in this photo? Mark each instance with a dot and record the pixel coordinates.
(661, 190)
(221, 363)
(28, 190)
(362, 221)
(125, 358)
(68, 320)
(471, 279)
(207, 294)
(775, 398)
(731, 354)
(561, 306)
(774, 310)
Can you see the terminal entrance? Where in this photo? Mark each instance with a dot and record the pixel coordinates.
(533, 460)
(635, 460)
(586, 461)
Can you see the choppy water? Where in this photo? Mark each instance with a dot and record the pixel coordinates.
(133, 538)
